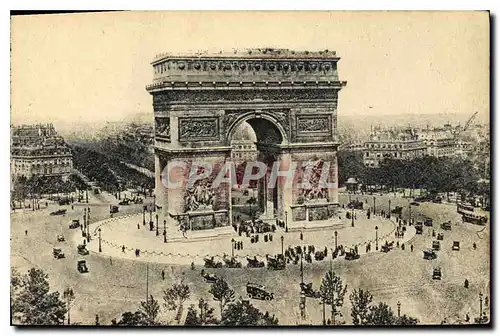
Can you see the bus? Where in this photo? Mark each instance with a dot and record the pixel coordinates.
(464, 209)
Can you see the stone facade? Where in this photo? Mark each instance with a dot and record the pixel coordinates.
(290, 100)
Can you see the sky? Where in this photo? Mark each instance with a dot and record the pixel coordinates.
(75, 69)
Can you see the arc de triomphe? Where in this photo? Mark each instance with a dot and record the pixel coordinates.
(290, 100)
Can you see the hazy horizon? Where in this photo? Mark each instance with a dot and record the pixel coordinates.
(87, 69)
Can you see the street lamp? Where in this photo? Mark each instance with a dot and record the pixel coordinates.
(100, 248)
(374, 205)
(200, 305)
(157, 233)
(164, 230)
(409, 216)
(69, 296)
(480, 305)
(399, 309)
(282, 238)
(389, 209)
(150, 218)
(232, 247)
(144, 215)
(376, 238)
(336, 234)
(286, 221)
(352, 218)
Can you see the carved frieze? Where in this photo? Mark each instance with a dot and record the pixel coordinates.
(162, 127)
(164, 99)
(314, 124)
(200, 196)
(198, 129)
(310, 177)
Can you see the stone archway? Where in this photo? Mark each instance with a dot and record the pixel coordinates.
(290, 98)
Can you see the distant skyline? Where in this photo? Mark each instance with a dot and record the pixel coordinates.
(80, 69)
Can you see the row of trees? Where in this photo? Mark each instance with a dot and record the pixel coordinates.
(32, 303)
(436, 175)
(35, 186)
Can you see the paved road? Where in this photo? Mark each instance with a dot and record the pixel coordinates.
(114, 286)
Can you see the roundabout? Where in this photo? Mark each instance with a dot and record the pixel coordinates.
(121, 237)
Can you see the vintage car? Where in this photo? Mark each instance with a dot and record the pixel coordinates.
(59, 212)
(387, 247)
(397, 210)
(60, 238)
(440, 236)
(308, 290)
(437, 199)
(82, 249)
(430, 254)
(351, 254)
(209, 277)
(75, 224)
(254, 263)
(276, 263)
(64, 201)
(436, 245)
(319, 255)
(58, 253)
(456, 246)
(113, 209)
(81, 266)
(419, 229)
(436, 273)
(231, 262)
(211, 263)
(358, 205)
(446, 226)
(256, 291)
(428, 222)
(415, 203)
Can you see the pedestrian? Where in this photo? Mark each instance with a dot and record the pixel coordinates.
(26, 232)
(397, 244)
(411, 248)
(72, 207)
(301, 236)
(163, 274)
(486, 301)
(403, 246)
(466, 283)
(474, 246)
(123, 248)
(46, 204)
(467, 318)
(138, 226)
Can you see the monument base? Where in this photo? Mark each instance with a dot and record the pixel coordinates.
(332, 223)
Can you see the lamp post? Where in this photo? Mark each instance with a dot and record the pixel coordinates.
(376, 238)
(69, 296)
(399, 309)
(88, 228)
(336, 234)
(286, 221)
(100, 248)
(323, 301)
(157, 233)
(232, 247)
(409, 216)
(374, 205)
(200, 305)
(480, 305)
(165, 231)
(389, 209)
(352, 218)
(282, 251)
(301, 267)
(144, 215)
(150, 217)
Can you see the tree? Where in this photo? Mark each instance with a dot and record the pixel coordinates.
(381, 314)
(33, 304)
(206, 316)
(222, 293)
(360, 306)
(332, 292)
(175, 296)
(244, 314)
(150, 309)
(132, 319)
(406, 320)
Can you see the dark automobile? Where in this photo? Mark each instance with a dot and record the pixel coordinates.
(82, 249)
(319, 255)
(436, 273)
(446, 226)
(75, 224)
(428, 222)
(276, 263)
(232, 262)
(58, 212)
(256, 291)
(430, 254)
(415, 203)
(81, 266)
(124, 202)
(254, 263)
(57, 253)
(113, 209)
(456, 246)
(211, 263)
(440, 236)
(436, 246)
(64, 201)
(209, 277)
(351, 255)
(308, 290)
(358, 205)
(419, 228)
(397, 210)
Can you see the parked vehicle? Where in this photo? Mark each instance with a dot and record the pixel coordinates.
(419, 228)
(446, 226)
(351, 255)
(75, 224)
(430, 254)
(440, 236)
(276, 263)
(456, 246)
(254, 263)
(232, 262)
(397, 210)
(81, 266)
(319, 255)
(211, 263)
(436, 246)
(57, 253)
(59, 212)
(256, 291)
(64, 201)
(415, 203)
(209, 277)
(436, 273)
(125, 201)
(387, 247)
(358, 205)
(474, 218)
(428, 222)
(82, 249)
(113, 209)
